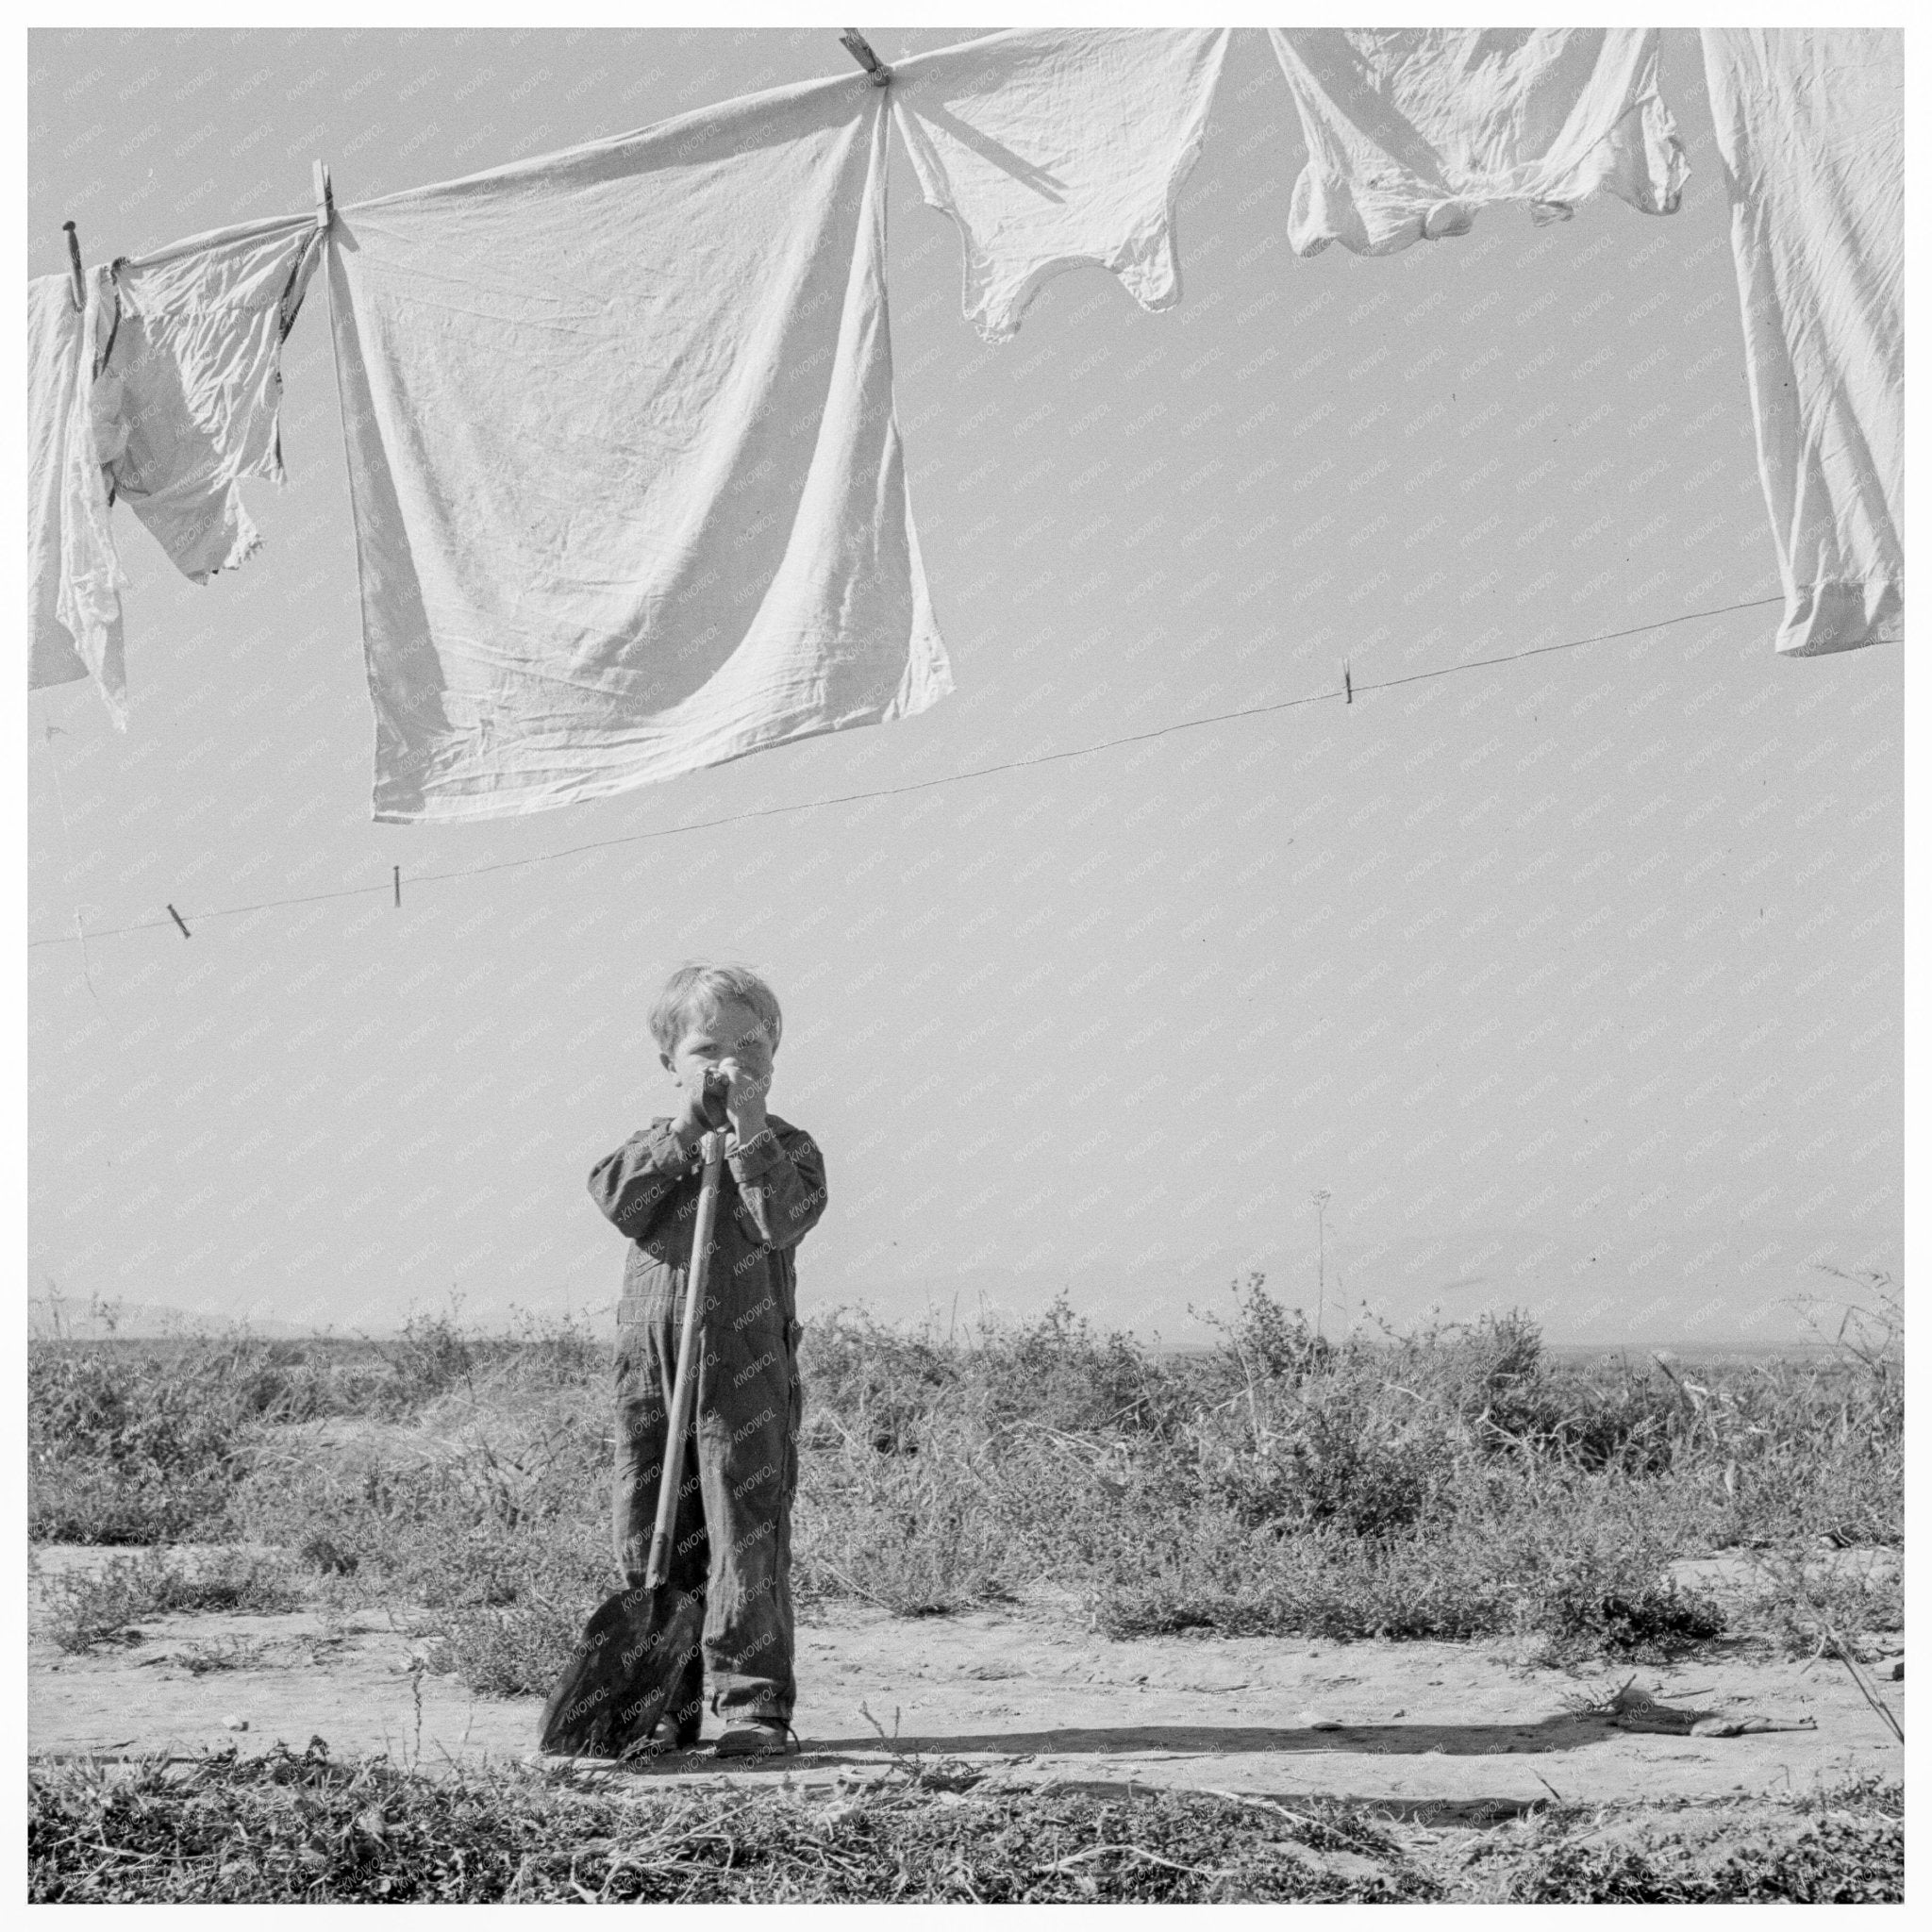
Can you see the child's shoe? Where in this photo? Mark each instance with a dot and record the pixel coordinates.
(668, 1735)
(758, 1737)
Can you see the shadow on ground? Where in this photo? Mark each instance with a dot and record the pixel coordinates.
(1563, 1732)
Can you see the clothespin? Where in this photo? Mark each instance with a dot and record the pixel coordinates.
(73, 266)
(181, 923)
(106, 353)
(398, 871)
(1347, 684)
(860, 48)
(325, 197)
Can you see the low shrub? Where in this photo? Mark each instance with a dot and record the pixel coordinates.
(1839, 1857)
(287, 1829)
(1454, 1482)
(145, 1442)
(82, 1608)
(304, 1829)
(520, 1648)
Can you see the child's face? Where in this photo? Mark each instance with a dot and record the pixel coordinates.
(734, 1032)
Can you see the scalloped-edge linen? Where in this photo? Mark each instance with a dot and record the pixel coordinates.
(1051, 148)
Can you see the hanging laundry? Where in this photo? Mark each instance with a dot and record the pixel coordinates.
(1055, 146)
(1811, 127)
(53, 362)
(74, 575)
(194, 376)
(1412, 131)
(163, 394)
(628, 490)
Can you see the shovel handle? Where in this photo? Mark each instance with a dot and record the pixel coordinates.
(683, 1390)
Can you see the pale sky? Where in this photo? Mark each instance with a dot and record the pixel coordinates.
(1575, 982)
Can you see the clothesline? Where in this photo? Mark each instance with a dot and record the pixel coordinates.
(1345, 692)
(607, 534)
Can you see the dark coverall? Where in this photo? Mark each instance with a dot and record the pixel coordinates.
(731, 1544)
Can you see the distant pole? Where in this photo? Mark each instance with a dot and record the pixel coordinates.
(1320, 1260)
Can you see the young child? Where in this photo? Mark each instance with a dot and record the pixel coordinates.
(732, 1542)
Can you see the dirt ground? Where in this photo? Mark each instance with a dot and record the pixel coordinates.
(1439, 1732)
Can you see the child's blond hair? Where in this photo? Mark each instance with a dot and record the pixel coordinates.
(697, 991)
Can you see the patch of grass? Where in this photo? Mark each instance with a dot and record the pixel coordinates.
(137, 1442)
(227, 1654)
(283, 1828)
(70, 1501)
(304, 1829)
(1801, 1593)
(80, 1610)
(1571, 1587)
(1455, 1482)
(1849, 1851)
(143, 1442)
(487, 1513)
(520, 1648)
(1655, 1621)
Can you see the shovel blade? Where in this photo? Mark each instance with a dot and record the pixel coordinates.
(629, 1665)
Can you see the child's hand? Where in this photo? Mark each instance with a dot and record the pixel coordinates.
(691, 1125)
(745, 1101)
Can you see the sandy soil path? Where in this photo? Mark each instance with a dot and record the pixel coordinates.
(1440, 1731)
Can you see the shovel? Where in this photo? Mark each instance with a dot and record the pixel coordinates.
(638, 1643)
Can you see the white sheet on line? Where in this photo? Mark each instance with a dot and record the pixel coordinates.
(194, 376)
(166, 391)
(74, 575)
(629, 489)
(1055, 146)
(1810, 126)
(1412, 131)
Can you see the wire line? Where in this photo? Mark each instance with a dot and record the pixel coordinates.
(1050, 757)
